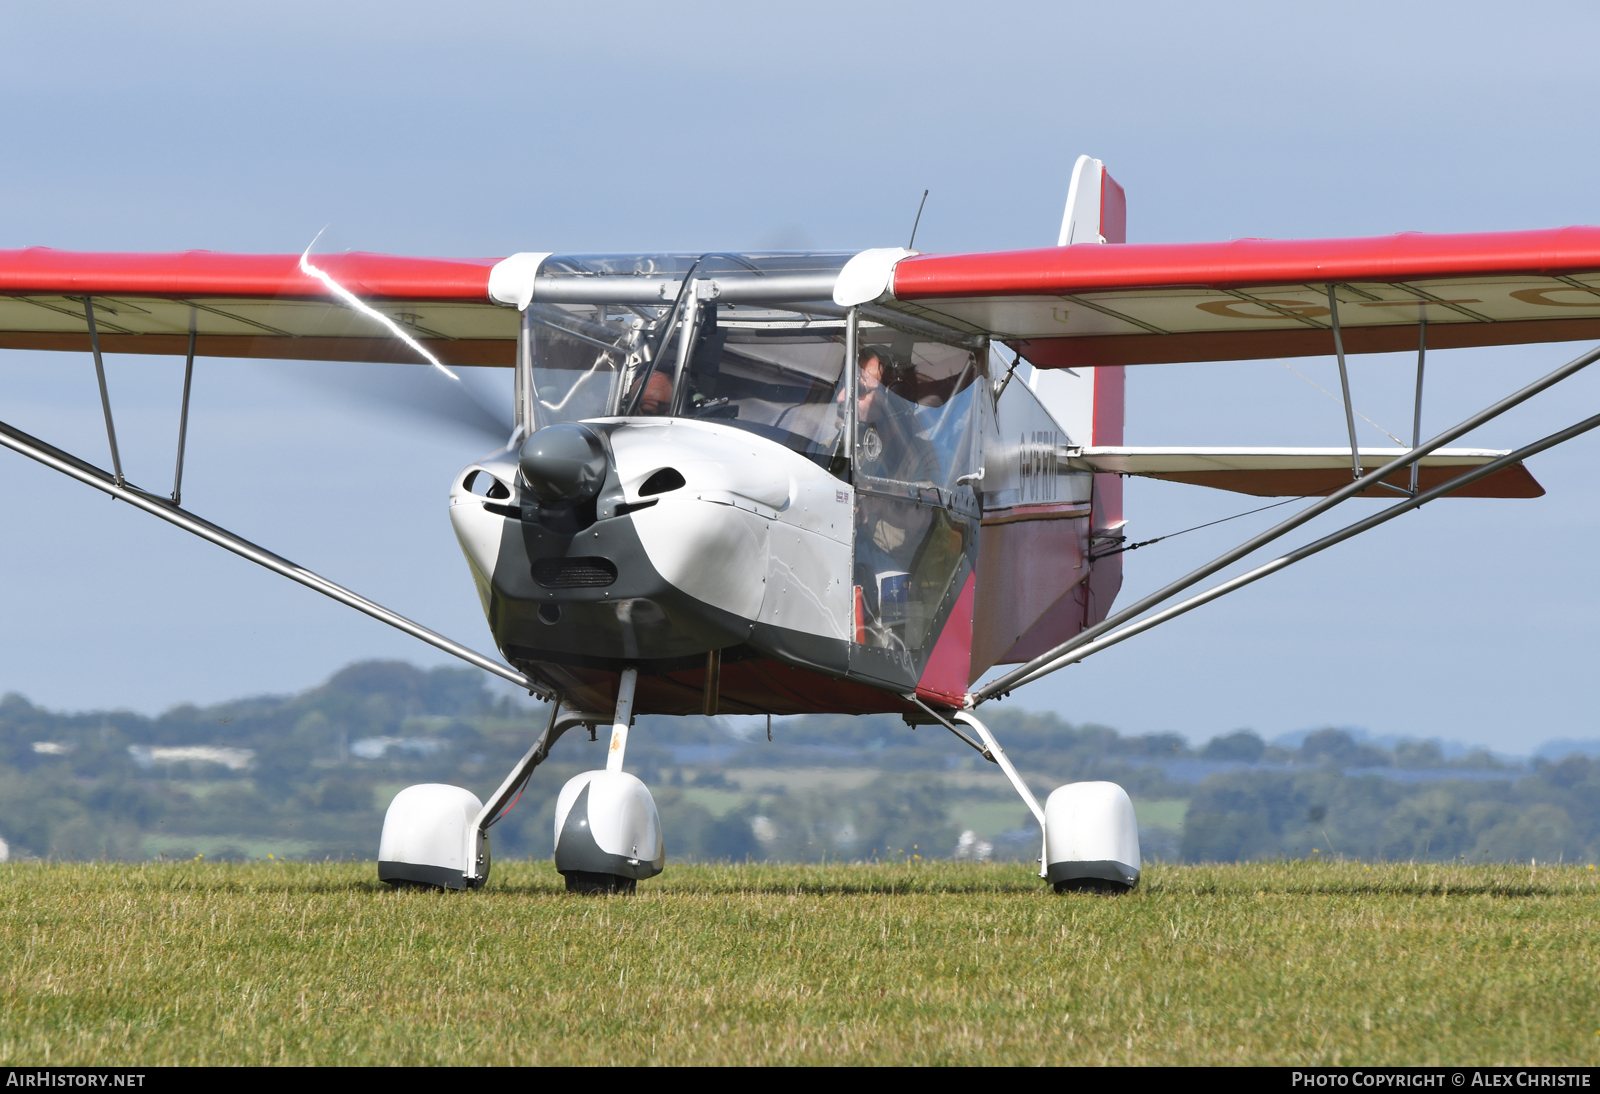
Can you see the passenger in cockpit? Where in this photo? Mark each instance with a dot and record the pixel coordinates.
(888, 435)
(889, 445)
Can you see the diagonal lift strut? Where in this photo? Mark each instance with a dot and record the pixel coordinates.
(1315, 547)
(1054, 658)
(87, 473)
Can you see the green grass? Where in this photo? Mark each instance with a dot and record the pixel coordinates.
(1284, 963)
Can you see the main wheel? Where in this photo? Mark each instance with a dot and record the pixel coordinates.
(580, 882)
(401, 885)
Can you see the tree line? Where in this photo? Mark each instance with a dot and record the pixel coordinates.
(310, 775)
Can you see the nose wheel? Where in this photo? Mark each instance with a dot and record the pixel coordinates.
(579, 881)
(608, 833)
(1092, 885)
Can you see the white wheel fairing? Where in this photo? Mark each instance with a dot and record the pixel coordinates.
(622, 815)
(425, 836)
(1091, 832)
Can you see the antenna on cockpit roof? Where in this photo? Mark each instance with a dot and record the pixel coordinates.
(913, 244)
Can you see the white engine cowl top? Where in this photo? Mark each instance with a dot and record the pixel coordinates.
(673, 538)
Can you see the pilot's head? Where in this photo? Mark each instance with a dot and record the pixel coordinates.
(657, 397)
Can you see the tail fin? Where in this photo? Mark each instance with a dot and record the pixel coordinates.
(1088, 403)
(1097, 208)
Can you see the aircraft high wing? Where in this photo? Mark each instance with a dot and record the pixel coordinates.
(252, 306)
(1074, 307)
(789, 483)
(1247, 299)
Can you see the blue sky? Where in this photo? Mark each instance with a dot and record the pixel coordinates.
(483, 129)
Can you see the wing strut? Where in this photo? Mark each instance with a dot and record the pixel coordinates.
(1416, 415)
(84, 472)
(1284, 561)
(183, 415)
(105, 396)
(1349, 404)
(1053, 658)
(1344, 386)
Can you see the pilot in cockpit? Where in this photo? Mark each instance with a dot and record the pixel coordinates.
(656, 399)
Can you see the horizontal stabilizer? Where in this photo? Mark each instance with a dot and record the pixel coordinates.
(1306, 472)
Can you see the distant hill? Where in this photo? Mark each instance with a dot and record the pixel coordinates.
(1562, 747)
(310, 775)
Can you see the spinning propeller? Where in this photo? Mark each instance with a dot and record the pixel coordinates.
(477, 402)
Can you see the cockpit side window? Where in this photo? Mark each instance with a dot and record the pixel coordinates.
(916, 416)
(918, 431)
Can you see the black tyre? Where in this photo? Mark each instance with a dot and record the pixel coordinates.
(581, 882)
(1092, 885)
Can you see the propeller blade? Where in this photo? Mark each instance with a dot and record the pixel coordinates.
(479, 403)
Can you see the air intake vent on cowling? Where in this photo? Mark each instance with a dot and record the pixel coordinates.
(574, 573)
(666, 479)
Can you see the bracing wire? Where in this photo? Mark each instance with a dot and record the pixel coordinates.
(1196, 528)
(1335, 398)
(498, 817)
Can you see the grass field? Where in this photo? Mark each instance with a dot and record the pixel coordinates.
(1283, 963)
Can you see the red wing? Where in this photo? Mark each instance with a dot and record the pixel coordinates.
(1063, 306)
(1131, 304)
(253, 306)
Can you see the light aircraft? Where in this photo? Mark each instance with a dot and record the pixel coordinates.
(778, 483)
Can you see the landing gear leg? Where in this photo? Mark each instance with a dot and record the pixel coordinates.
(999, 755)
(560, 721)
(1091, 838)
(608, 834)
